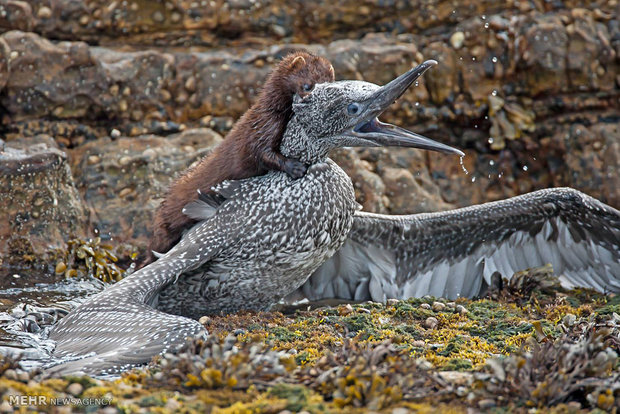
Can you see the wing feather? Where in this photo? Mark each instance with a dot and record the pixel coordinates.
(453, 253)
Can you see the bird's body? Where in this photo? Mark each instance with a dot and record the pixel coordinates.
(269, 247)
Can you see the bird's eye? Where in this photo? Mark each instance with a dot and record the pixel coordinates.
(307, 87)
(353, 108)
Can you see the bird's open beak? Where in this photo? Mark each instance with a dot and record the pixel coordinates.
(372, 132)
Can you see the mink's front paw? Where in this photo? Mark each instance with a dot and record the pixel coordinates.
(295, 169)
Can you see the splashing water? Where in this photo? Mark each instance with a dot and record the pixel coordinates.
(28, 313)
(463, 164)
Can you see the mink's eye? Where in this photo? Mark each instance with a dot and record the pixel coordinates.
(353, 108)
(308, 87)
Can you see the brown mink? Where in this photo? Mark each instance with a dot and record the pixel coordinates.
(251, 147)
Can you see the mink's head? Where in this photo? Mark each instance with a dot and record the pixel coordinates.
(297, 74)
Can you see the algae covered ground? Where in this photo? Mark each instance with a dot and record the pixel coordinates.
(528, 346)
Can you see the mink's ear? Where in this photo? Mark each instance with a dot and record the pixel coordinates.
(297, 63)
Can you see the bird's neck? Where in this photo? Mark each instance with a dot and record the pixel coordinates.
(298, 144)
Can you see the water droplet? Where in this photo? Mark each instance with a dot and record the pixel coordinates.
(486, 25)
(473, 179)
(490, 140)
(525, 168)
(417, 104)
(494, 59)
(463, 165)
(473, 58)
(491, 162)
(494, 93)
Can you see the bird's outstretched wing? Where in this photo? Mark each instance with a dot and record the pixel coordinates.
(454, 253)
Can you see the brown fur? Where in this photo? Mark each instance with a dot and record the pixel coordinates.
(251, 148)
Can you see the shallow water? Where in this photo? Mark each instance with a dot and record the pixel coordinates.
(31, 306)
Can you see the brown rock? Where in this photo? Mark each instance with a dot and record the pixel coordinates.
(543, 46)
(124, 187)
(443, 82)
(16, 15)
(41, 206)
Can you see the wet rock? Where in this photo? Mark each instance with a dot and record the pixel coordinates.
(75, 389)
(438, 306)
(71, 80)
(543, 53)
(123, 180)
(431, 322)
(38, 197)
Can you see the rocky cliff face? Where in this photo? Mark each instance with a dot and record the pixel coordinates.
(133, 92)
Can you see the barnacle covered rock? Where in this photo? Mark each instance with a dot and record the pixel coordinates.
(41, 208)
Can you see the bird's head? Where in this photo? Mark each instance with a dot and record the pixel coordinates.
(344, 114)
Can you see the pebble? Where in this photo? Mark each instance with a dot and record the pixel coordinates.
(204, 320)
(44, 13)
(165, 95)
(418, 343)
(569, 320)
(84, 20)
(431, 322)
(75, 389)
(346, 309)
(93, 159)
(392, 302)
(124, 160)
(23, 376)
(125, 192)
(461, 309)
(158, 17)
(438, 306)
(173, 405)
(486, 404)
(425, 306)
(60, 267)
(457, 39)
(10, 374)
(115, 133)
(190, 84)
